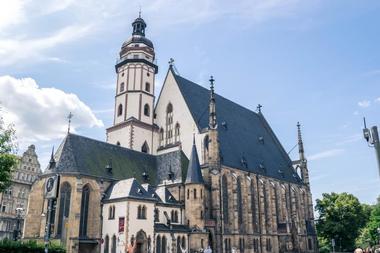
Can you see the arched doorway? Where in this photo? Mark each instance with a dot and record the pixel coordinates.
(141, 242)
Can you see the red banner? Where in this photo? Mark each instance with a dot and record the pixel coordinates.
(121, 224)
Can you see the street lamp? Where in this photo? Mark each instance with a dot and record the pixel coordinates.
(378, 233)
(372, 138)
(17, 231)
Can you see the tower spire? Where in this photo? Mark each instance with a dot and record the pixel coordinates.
(52, 160)
(212, 107)
(301, 150)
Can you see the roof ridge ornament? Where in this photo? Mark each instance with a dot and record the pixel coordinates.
(301, 150)
(259, 106)
(69, 117)
(212, 105)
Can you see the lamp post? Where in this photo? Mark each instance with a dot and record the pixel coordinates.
(17, 231)
(378, 233)
(372, 138)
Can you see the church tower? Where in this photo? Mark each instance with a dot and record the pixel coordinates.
(195, 191)
(134, 97)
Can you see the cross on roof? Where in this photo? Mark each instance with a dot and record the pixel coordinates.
(171, 61)
(259, 106)
(70, 116)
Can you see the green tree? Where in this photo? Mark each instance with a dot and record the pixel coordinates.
(369, 235)
(8, 159)
(341, 216)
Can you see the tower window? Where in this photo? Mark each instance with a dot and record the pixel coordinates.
(135, 56)
(147, 74)
(176, 132)
(120, 110)
(147, 87)
(145, 148)
(122, 74)
(169, 123)
(121, 87)
(161, 137)
(146, 110)
(195, 193)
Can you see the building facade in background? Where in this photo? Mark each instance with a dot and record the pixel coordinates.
(16, 196)
(183, 171)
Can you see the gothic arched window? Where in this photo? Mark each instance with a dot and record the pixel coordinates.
(113, 246)
(145, 148)
(163, 246)
(177, 132)
(107, 244)
(205, 148)
(158, 244)
(169, 123)
(239, 203)
(253, 207)
(84, 211)
(120, 110)
(146, 110)
(64, 206)
(161, 137)
(179, 244)
(225, 199)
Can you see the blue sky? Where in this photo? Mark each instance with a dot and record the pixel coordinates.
(316, 62)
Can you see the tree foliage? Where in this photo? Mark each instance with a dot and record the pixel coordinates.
(341, 216)
(8, 159)
(369, 235)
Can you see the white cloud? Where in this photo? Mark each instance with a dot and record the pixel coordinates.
(14, 50)
(40, 114)
(11, 13)
(364, 103)
(377, 100)
(18, 17)
(326, 154)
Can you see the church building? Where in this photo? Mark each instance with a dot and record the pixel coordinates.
(179, 172)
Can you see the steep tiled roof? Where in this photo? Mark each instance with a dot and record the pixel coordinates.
(85, 156)
(246, 140)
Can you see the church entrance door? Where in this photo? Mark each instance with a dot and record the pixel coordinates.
(141, 242)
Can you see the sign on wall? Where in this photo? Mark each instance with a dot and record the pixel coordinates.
(121, 224)
(51, 187)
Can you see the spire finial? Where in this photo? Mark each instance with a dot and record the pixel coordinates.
(70, 116)
(140, 11)
(171, 62)
(259, 106)
(300, 142)
(212, 80)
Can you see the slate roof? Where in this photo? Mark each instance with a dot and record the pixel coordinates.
(165, 196)
(247, 142)
(194, 174)
(128, 188)
(85, 156)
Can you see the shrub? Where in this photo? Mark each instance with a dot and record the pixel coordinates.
(8, 246)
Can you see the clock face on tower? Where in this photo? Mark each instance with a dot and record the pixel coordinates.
(49, 184)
